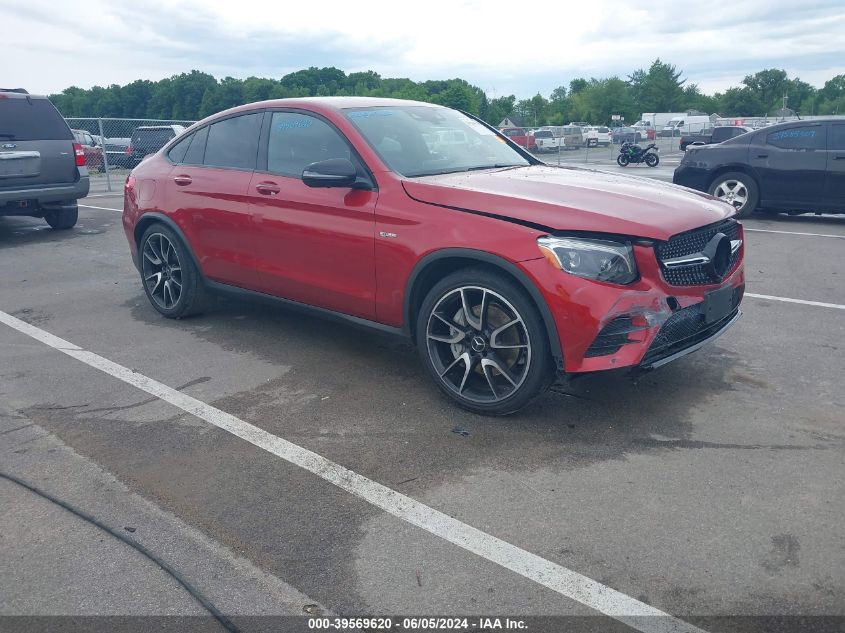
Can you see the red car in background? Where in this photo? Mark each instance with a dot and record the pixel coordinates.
(90, 148)
(521, 137)
(426, 222)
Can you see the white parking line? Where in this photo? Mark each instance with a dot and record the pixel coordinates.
(840, 237)
(820, 304)
(566, 582)
(88, 206)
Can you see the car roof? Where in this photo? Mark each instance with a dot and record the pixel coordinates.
(18, 93)
(342, 103)
(324, 104)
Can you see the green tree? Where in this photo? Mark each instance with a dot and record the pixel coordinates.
(769, 86)
(661, 89)
(533, 110)
(559, 106)
(577, 85)
(832, 96)
(603, 98)
(499, 108)
(740, 102)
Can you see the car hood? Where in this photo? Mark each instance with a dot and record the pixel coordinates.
(573, 199)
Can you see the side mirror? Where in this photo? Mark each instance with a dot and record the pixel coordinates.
(335, 172)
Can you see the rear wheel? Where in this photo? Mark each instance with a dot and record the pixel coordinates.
(62, 219)
(651, 160)
(737, 189)
(483, 342)
(171, 281)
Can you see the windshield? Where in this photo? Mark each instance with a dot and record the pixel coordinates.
(543, 134)
(424, 140)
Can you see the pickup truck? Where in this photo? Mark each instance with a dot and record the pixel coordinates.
(711, 136)
(548, 142)
(520, 136)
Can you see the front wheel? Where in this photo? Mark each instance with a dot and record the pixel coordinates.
(483, 342)
(737, 189)
(622, 160)
(652, 160)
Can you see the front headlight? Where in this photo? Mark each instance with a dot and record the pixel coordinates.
(602, 260)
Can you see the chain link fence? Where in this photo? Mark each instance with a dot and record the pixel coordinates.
(582, 143)
(114, 146)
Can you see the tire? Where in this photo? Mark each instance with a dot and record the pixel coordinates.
(652, 160)
(622, 160)
(737, 189)
(169, 276)
(464, 355)
(62, 219)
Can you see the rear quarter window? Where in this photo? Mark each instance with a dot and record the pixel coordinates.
(31, 119)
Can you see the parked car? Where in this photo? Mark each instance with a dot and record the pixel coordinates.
(546, 141)
(572, 135)
(503, 270)
(711, 136)
(42, 167)
(796, 167)
(521, 137)
(625, 135)
(93, 152)
(114, 149)
(686, 124)
(596, 135)
(148, 139)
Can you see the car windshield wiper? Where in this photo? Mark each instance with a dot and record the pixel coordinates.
(496, 166)
(7, 135)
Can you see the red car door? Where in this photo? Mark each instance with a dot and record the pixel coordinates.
(314, 245)
(209, 195)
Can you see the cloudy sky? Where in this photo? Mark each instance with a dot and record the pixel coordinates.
(504, 47)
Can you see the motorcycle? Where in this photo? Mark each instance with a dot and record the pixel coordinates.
(631, 153)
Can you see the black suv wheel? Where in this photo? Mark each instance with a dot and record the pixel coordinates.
(62, 219)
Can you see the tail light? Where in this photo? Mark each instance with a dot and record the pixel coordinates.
(79, 154)
(128, 150)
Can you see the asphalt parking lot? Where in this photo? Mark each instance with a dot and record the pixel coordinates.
(711, 487)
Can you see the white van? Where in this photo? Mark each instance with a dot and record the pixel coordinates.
(685, 124)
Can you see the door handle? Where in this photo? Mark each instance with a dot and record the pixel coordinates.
(182, 180)
(762, 155)
(267, 188)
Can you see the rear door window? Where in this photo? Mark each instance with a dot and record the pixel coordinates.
(803, 138)
(31, 119)
(233, 142)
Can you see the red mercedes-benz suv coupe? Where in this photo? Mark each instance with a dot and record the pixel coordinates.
(426, 222)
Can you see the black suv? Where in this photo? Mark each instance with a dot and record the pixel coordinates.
(797, 167)
(148, 139)
(42, 169)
